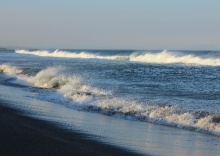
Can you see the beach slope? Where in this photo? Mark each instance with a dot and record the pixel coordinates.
(22, 135)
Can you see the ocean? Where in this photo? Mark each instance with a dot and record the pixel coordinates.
(171, 88)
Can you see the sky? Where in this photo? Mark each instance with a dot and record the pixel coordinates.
(110, 24)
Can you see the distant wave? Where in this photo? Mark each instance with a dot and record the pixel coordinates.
(163, 57)
(89, 98)
(166, 57)
(65, 54)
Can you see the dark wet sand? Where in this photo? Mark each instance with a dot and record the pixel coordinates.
(22, 135)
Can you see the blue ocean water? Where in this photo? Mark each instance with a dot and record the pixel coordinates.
(174, 88)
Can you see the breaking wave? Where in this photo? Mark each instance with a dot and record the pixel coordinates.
(86, 97)
(163, 57)
(65, 54)
(10, 70)
(71, 87)
(166, 57)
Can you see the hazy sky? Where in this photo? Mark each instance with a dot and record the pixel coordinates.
(111, 24)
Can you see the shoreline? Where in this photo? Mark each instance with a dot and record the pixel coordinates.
(22, 135)
(30, 126)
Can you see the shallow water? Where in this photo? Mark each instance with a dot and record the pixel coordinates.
(142, 137)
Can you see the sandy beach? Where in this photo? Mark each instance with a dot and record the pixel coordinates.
(22, 135)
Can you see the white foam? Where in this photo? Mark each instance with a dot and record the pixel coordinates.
(45, 79)
(65, 54)
(9, 70)
(168, 115)
(71, 87)
(166, 57)
(163, 57)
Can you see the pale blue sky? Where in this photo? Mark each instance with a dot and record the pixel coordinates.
(110, 24)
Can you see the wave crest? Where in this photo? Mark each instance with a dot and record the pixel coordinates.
(166, 57)
(65, 54)
(71, 87)
(10, 70)
(163, 57)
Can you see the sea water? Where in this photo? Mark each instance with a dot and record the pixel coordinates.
(174, 88)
